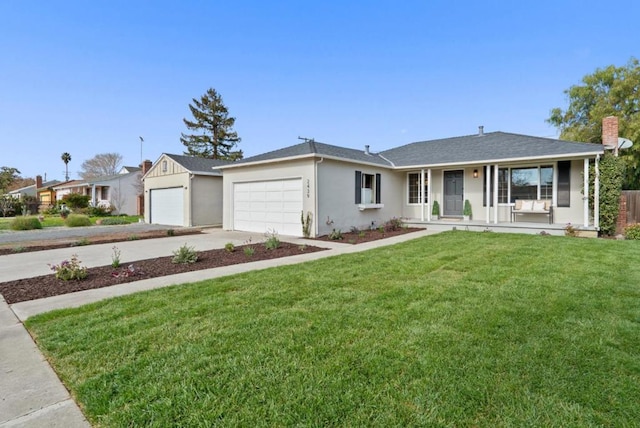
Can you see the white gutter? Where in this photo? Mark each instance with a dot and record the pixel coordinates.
(306, 156)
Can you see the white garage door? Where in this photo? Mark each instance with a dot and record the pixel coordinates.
(167, 206)
(263, 206)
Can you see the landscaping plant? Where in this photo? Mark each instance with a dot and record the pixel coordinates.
(70, 269)
(77, 220)
(185, 254)
(25, 223)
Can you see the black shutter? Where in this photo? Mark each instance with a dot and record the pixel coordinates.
(378, 187)
(564, 183)
(358, 187)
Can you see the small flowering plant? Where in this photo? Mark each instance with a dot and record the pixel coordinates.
(126, 272)
(70, 269)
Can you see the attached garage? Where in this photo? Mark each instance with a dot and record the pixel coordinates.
(273, 205)
(167, 206)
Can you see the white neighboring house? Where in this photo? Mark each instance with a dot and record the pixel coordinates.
(183, 191)
(119, 190)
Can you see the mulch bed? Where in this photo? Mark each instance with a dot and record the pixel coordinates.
(48, 285)
(369, 235)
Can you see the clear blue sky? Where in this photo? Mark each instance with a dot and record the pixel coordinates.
(90, 77)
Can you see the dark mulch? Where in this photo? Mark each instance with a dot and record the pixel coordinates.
(105, 238)
(103, 276)
(369, 235)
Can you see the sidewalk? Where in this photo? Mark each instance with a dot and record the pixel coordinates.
(31, 395)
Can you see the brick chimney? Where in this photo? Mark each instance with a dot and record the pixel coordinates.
(610, 133)
(146, 166)
(38, 181)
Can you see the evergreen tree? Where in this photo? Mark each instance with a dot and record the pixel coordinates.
(215, 137)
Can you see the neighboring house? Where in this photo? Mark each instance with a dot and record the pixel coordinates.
(183, 191)
(39, 190)
(344, 188)
(119, 191)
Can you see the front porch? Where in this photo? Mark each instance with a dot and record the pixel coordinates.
(532, 228)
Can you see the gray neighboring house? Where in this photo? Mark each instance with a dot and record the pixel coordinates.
(183, 191)
(342, 187)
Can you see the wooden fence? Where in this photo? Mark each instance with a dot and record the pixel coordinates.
(633, 205)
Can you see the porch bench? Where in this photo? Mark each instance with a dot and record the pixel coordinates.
(531, 206)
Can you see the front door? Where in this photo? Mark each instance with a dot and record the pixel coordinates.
(453, 193)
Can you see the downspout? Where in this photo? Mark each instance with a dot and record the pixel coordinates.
(315, 195)
(596, 195)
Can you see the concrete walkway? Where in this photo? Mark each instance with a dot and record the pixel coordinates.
(31, 395)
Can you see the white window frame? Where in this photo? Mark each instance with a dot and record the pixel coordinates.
(422, 195)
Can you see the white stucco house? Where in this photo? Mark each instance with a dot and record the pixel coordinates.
(119, 191)
(183, 191)
(343, 187)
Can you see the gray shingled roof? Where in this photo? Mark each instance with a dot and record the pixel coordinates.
(492, 146)
(318, 149)
(198, 164)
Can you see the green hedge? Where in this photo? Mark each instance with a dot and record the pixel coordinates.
(77, 220)
(25, 223)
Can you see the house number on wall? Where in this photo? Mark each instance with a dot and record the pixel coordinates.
(308, 188)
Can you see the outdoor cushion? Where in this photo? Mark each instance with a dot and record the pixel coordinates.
(539, 206)
(527, 205)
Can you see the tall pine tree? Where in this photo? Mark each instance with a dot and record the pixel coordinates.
(214, 137)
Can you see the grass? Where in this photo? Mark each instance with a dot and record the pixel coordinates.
(57, 221)
(456, 329)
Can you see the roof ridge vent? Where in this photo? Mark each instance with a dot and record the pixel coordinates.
(480, 131)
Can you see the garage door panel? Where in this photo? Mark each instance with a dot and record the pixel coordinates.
(274, 205)
(167, 206)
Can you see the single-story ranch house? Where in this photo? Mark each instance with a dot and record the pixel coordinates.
(183, 191)
(342, 187)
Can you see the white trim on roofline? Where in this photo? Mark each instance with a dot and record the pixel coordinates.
(305, 156)
(502, 161)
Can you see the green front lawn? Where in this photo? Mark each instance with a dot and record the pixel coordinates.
(455, 329)
(57, 221)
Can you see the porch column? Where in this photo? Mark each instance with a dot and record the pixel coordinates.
(422, 197)
(429, 194)
(487, 183)
(596, 195)
(585, 199)
(93, 195)
(495, 193)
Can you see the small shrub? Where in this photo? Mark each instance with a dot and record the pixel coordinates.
(362, 234)
(272, 242)
(115, 258)
(302, 247)
(381, 228)
(354, 229)
(393, 224)
(352, 241)
(306, 223)
(184, 255)
(632, 231)
(76, 200)
(229, 247)
(335, 235)
(77, 220)
(81, 242)
(133, 237)
(569, 230)
(25, 223)
(111, 221)
(99, 211)
(171, 232)
(249, 251)
(18, 249)
(70, 269)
